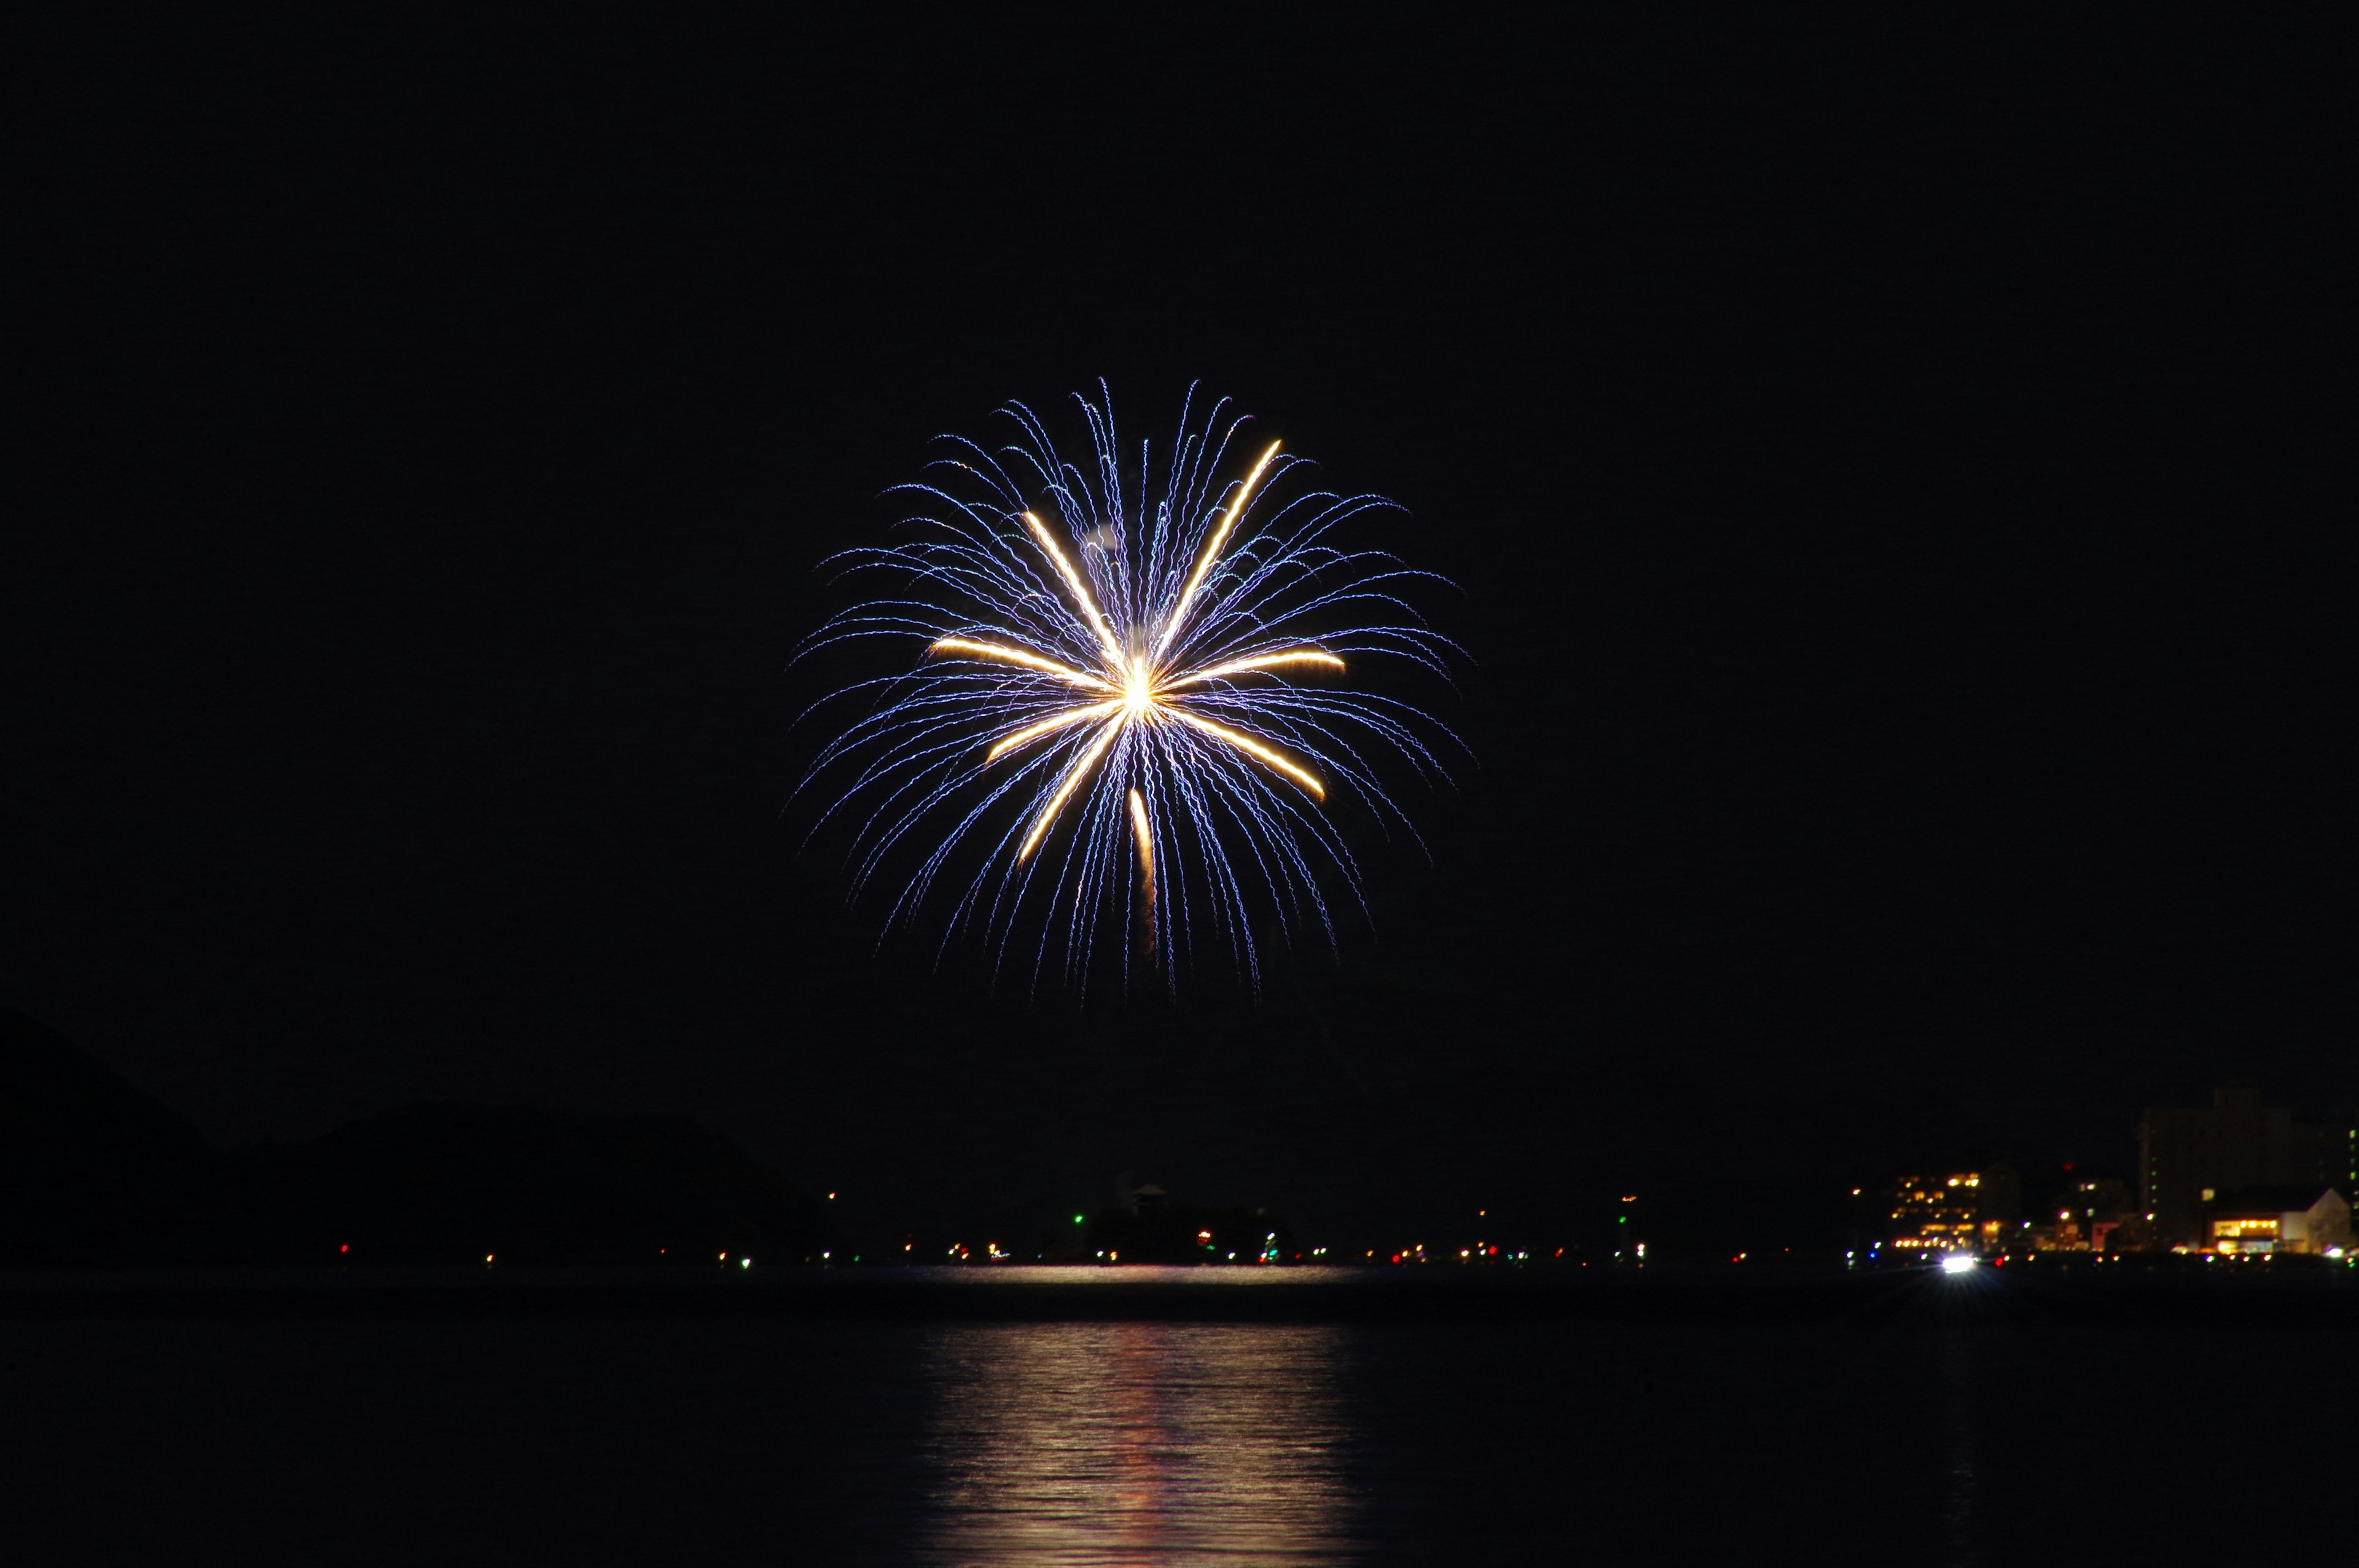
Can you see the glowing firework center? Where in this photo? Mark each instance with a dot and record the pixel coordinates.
(1136, 674)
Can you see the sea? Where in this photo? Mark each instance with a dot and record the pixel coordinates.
(1148, 1417)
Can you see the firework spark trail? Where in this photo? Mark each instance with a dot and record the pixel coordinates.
(1106, 657)
(1212, 551)
(1143, 836)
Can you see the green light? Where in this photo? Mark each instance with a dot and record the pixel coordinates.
(1077, 1219)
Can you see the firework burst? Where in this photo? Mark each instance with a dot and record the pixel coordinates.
(1126, 706)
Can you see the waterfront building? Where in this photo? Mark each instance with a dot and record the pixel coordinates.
(2305, 1219)
(2188, 1156)
(2090, 1214)
(1960, 1211)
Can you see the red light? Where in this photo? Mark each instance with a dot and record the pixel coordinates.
(346, 1248)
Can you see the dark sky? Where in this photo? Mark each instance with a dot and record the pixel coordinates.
(1892, 473)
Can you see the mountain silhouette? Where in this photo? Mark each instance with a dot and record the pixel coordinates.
(95, 1172)
(92, 1169)
(449, 1181)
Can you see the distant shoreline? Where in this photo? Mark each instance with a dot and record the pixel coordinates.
(2312, 1299)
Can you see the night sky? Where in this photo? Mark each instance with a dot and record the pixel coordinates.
(1890, 471)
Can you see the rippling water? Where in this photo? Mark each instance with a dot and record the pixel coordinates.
(1135, 1442)
(618, 1433)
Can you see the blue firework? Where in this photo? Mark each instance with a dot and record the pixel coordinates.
(1131, 703)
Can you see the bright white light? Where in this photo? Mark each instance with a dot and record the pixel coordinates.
(1958, 1263)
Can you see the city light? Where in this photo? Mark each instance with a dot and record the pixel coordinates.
(1958, 1263)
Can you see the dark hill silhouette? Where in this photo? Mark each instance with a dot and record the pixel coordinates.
(448, 1182)
(95, 1172)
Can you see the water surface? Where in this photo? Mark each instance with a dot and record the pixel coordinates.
(620, 1431)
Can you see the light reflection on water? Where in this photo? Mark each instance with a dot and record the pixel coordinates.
(1134, 1444)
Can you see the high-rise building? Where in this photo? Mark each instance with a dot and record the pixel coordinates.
(2186, 1157)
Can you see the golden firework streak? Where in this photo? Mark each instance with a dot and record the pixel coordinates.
(1212, 551)
(1253, 748)
(1139, 685)
(1049, 726)
(1073, 776)
(1145, 859)
(999, 654)
(1073, 581)
(1259, 662)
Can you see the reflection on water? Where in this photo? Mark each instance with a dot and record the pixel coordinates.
(1134, 1444)
(1958, 1506)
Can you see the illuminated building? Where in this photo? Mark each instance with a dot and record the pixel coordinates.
(1962, 1211)
(2187, 1155)
(2087, 1217)
(2305, 1219)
